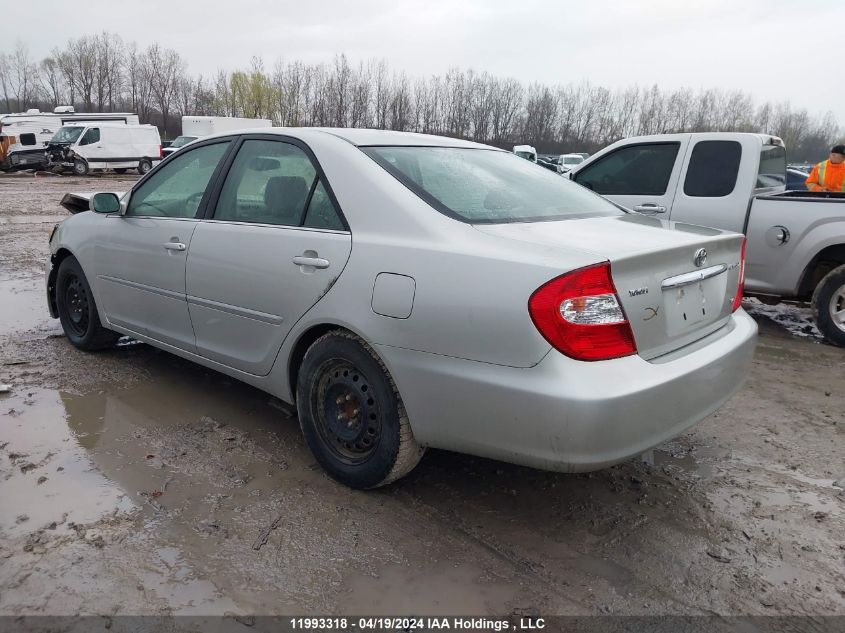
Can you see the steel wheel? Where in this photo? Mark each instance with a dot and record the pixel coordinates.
(348, 417)
(837, 308)
(77, 305)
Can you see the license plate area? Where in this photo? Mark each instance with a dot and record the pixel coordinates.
(693, 305)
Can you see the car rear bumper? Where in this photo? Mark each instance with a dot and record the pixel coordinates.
(567, 415)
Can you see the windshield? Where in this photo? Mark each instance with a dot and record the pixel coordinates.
(67, 134)
(181, 141)
(488, 186)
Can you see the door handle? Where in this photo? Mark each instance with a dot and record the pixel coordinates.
(650, 209)
(316, 262)
(174, 246)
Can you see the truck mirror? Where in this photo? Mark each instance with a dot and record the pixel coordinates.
(27, 139)
(105, 203)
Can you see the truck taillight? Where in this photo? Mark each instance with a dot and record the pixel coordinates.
(161, 151)
(580, 314)
(741, 286)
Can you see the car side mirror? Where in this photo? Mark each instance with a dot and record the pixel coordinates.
(105, 203)
(27, 139)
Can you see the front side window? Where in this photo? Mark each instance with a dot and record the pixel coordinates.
(92, 135)
(713, 168)
(269, 183)
(487, 186)
(175, 190)
(636, 170)
(772, 172)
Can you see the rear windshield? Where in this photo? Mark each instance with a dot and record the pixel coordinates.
(772, 171)
(487, 186)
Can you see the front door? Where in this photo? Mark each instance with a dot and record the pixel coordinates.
(272, 249)
(140, 256)
(641, 177)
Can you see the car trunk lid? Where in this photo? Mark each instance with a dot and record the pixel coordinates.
(676, 282)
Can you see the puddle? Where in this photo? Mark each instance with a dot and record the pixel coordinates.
(39, 445)
(23, 307)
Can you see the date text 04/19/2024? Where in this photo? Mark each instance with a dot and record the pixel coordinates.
(408, 624)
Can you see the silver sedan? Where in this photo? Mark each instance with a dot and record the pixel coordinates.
(407, 291)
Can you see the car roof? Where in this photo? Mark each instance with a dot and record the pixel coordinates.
(363, 137)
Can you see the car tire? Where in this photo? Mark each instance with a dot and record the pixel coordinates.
(351, 414)
(144, 166)
(80, 167)
(78, 311)
(829, 306)
(120, 170)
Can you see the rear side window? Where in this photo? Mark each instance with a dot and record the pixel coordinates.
(713, 168)
(92, 135)
(487, 186)
(274, 182)
(772, 172)
(636, 170)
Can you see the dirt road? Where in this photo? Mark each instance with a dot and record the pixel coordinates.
(134, 482)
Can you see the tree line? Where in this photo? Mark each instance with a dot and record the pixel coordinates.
(101, 72)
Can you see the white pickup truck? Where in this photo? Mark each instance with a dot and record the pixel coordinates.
(736, 181)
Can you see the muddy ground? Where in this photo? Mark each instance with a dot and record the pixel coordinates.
(134, 482)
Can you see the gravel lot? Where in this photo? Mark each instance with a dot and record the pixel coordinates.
(134, 482)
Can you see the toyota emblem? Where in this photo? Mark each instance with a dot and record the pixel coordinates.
(700, 257)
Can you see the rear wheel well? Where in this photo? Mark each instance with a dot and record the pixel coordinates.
(55, 261)
(827, 259)
(298, 353)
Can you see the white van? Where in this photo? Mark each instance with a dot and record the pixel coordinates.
(105, 146)
(40, 127)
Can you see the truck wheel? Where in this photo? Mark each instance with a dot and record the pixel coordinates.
(80, 167)
(352, 415)
(144, 166)
(77, 310)
(829, 306)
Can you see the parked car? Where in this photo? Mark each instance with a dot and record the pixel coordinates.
(568, 161)
(179, 141)
(409, 291)
(526, 151)
(796, 180)
(105, 146)
(736, 181)
(194, 127)
(42, 126)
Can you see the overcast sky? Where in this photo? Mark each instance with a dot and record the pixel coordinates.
(774, 49)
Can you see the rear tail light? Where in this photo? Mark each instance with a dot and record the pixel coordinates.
(161, 151)
(580, 315)
(741, 287)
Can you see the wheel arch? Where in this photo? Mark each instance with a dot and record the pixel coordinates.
(55, 261)
(824, 261)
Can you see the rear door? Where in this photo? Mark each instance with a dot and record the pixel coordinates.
(717, 181)
(641, 176)
(274, 245)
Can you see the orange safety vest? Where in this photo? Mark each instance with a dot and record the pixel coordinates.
(5, 143)
(827, 177)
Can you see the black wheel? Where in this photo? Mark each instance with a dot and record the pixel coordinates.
(144, 166)
(351, 414)
(77, 310)
(829, 306)
(120, 170)
(80, 167)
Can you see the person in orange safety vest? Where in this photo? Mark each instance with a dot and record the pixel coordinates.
(5, 143)
(829, 175)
